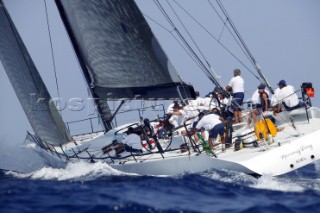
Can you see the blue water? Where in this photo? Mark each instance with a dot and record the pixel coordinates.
(96, 187)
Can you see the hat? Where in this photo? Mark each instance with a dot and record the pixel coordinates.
(282, 82)
(201, 114)
(261, 86)
(130, 130)
(176, 106)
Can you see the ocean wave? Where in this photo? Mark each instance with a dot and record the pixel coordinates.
(264, 182)
(79, 171)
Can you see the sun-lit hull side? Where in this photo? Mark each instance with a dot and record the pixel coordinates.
(276, 161)
(291, 150)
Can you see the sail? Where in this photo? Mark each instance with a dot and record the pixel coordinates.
(28, 85)
(119, 55)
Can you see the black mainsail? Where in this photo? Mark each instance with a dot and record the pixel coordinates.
(118, 53)
(28, 85)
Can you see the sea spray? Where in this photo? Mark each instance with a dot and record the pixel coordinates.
(80, 171)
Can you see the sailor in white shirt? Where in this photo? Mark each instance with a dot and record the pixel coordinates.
(209, 103)
(236, 85)
(132, 142)
(214, 125)
(178, 116)
(170, 107)
(197, 102)
(288, 96)
(191, 112)
(275, 97)
(223, 100)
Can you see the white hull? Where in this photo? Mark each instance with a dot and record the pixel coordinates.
(178, 165)
(276, 161)
(290, 151)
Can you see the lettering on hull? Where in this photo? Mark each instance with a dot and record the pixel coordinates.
(297, 153)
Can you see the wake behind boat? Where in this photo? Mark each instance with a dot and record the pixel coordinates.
(121, 59)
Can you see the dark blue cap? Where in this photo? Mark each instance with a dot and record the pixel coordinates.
(176, 106)
(282, 82)
(262, 86)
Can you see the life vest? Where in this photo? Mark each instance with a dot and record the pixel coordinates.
(263, 104)
(264, 127)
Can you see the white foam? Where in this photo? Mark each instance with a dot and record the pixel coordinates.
(73, 171)
(264, 182)
(278, 184)
(317, 167)
(25, 158)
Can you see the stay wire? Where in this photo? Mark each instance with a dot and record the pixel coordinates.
(224, 26)
(172, 25)
(179, 42)
(202, 66)
(245, 46)
(185, 28)
(172, 34)
(208, 70)
(235, 30)
(231, 33)
(174, 29)
(218, 41)
(52, 52)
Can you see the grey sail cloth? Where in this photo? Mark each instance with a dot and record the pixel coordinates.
(119, 55)
(28, 85)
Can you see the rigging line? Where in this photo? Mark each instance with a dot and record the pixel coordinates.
(231, 33)
(185, 28)
(224, 26)
(52, 52)
(184, 48)
(202, 66)
(205, 69)
(158, 23)
(245, 46)
(170, 31)
(235, 29)
(199, 61)
(222, 45)
(51, 45)
(210, 71)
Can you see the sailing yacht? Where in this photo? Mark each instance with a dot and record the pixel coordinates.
(122, 60)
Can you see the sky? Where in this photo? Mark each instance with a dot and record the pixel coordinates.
(283, 36)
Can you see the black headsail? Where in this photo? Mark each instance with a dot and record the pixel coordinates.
(119, 55)
(28, 85)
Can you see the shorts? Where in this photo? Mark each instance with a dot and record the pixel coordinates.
(300, 104)
(237, 101)
(256, 106)
(217, 130)
(130, 149)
